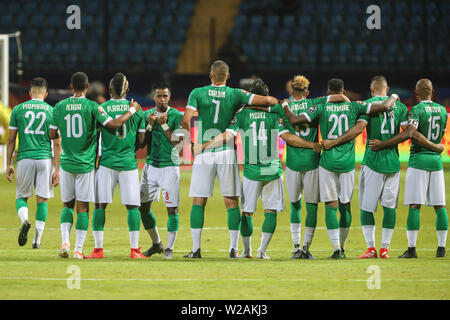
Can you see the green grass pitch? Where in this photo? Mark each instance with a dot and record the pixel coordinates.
(40, 274)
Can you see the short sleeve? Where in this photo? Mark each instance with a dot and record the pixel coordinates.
(364, 117)
(281, 126)
(234, 125)
(142, 124)
(361, 106)
(414, 117)
(100, 114)
(12, 119)
(312, 112)
(54, 122)
(403, 115)
(243, 97)
(192, 101)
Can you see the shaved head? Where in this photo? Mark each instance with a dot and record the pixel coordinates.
(379, 86)
(219, 71)
(424, 89)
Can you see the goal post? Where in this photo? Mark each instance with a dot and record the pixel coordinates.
(4, 90)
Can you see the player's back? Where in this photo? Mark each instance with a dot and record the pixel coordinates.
(216, 106)
(75, 119)
(430, 119)
(383, 127)
(32, 120)
(118, 146)
(334, 120)
(260, 130)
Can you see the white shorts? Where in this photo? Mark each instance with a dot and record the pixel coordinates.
(209, 164)
(79, 186)
(271, 192)
(34, 174)
(374, 186)
(424, 186)
(335, 186)
(106, 180)
(303, 181)
(167, 179)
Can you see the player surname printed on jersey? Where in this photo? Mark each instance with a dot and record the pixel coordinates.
(73, 107)
(216, 94)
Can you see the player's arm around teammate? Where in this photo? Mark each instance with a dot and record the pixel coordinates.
(161, 170)
(31, 122)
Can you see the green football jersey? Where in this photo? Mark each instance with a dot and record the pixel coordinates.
(32, 121)
(260, 131)
(76, 118)
(118, 146)
(216, 106)
(302, 159)
(160, 151)
(334, 120)
(383, 127)
(430, 119)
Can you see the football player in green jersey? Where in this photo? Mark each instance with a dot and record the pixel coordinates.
(424, 182)
(76, 119)
(31, 122)
(118, 166)
(379, 178)
(216, 105)
(161, 170)
(262, 167)
(302, 173)
(337, 166)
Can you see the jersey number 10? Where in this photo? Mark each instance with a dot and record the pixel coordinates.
(73, 121)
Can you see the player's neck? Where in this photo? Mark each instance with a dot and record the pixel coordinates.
(298, 98)
(218, 84)
(37, 97)
(162, 108)
(379, 94)
(79, 94)
(117, 98)
(424, 99)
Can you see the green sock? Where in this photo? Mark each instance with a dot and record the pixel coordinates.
(246, 226)
(331, 220)
(197, 217)
(148, 220)
(41, 211)
(270, 222)
(295, 211)
(20, 202)
(173, 222)
(441, 219)
(367, 218)
(345, 218)
(66, 215)
(134, 223)
(389, 218)
(413, 221)
(82, 221)
(311, 215)
(98, 220)
(233, 218)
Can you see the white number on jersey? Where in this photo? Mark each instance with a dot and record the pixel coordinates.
(262, 135)
(337, 123)
(385, 130)
(434, 124)
(121, 133)
(72, 123)
(32, 116)
(216, 114)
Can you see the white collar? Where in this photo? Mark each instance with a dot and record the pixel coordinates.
(380, 96)
(37, 99)
(78, 97)
(117, 99)
(293, 100)
(222, 85)
(427, 101)
(168, 108)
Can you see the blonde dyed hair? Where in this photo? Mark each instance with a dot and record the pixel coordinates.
(300, 84)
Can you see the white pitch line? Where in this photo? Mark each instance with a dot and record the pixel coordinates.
(213, 279)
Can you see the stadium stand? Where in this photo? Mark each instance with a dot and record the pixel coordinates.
(317, 33)
(146, 35)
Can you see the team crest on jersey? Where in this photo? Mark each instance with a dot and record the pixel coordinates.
(233, 121)
(281, 121)
(102, 111)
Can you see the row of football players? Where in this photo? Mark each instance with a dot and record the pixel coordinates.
(216, 105)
